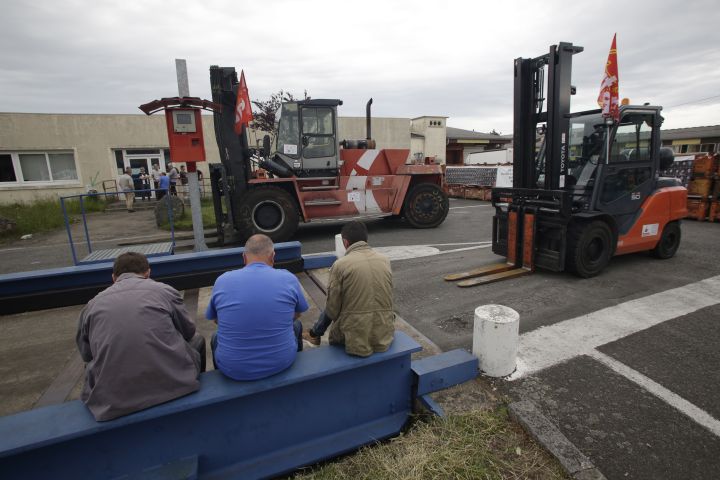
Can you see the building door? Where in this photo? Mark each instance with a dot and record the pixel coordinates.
(137, 159)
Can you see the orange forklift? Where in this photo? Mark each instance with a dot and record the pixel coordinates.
(590, 190)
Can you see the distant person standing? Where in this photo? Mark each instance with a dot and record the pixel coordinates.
(126, 183)
(184, 180)
(174, 175)
(144, 184)
(155, 174)
(163, 185)
(200, 183)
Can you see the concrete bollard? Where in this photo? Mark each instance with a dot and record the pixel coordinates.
(495, 339)
(339, 247)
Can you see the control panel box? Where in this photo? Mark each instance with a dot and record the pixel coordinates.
(185, 134)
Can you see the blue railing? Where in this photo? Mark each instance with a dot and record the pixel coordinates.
(84, 217)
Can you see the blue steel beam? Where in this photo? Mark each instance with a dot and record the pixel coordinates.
(328, 403)
(41, 289)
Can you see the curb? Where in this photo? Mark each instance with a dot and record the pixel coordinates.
(543, 431)
(417, 335)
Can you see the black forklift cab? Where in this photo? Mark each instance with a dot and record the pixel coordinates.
(307, 137)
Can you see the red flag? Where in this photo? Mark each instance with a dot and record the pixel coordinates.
(243, 112)
(609, 98)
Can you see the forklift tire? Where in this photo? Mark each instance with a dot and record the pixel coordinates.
(426, 206)
(669, 241)
(590, 246)
(270, 211)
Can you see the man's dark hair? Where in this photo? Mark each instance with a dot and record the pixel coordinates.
(130, 262)
(354, 232)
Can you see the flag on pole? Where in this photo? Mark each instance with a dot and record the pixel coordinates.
(243, 111)
(609, 98)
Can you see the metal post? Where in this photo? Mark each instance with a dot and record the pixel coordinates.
(195, 207)
(87, 234)
(182, 77)
(67, 227)
(170, 218)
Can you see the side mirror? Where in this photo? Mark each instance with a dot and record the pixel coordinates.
(266, 146)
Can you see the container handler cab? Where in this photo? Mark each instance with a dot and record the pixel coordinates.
(310, 174)
(590, 191)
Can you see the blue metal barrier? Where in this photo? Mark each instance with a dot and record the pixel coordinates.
(42, 289)
(326, 404)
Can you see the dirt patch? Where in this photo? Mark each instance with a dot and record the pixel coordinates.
(457, 324)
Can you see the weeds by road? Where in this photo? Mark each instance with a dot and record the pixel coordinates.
(482, 444)
(43, 215)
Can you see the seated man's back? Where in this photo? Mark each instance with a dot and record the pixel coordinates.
(359, 298)
(134, 336)
(255, 308)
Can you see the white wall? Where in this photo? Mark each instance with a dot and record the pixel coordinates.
(433, 131)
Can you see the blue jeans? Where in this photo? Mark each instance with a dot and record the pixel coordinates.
(321, 326)
(297, 329)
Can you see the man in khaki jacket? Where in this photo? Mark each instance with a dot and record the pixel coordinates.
(360, 298)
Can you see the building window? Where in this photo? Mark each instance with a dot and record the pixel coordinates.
(7, 171)
(38, 167)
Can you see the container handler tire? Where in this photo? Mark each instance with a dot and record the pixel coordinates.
(426, 206)
(669, 241)
(590, 246)
(270, 211)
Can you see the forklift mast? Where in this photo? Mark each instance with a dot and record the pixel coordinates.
(528, 113)
(229, 180)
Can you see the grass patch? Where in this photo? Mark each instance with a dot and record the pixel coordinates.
(185, 221)
(475, 445)
(44, 215)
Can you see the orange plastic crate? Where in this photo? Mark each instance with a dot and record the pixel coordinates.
(700, 186)
(705, 166)
(714, 212)
(697, 209)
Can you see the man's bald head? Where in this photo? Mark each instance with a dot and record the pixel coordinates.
(259, 248)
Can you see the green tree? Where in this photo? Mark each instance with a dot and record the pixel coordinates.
(264, 111)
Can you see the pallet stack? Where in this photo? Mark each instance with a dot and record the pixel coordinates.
(470, 182)
(714, 215)
(703, 189)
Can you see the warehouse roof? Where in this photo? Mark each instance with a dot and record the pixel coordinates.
(691, 132)
(460, 134)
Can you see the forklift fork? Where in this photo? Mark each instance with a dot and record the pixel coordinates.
(520, 222)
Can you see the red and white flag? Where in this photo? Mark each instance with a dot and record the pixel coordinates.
(243, 110)
(609, 98)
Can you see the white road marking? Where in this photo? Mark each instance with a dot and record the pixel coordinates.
(405, 252)
(700, 416)
(548, 346)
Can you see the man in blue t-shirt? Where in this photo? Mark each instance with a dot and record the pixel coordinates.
(163, 185)
(256, 310)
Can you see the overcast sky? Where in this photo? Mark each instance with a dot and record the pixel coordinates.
(414, 58)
